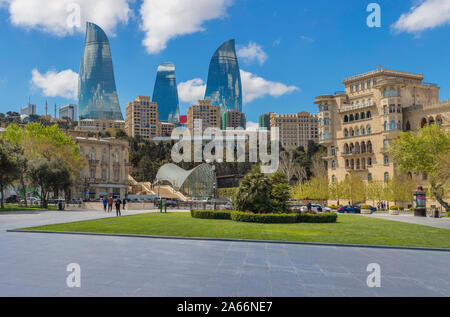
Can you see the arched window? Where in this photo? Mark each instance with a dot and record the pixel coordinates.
(386, 177)
(439, 121)
(346, 133)
(369, 162)
(333, 179)
(357, 117)
(352, 148)
(352, 118)
(363, 147)
(423, 123)
(346, 149)
(369, 129)
(352, 163)
(358, 164)
(431, 121)
(363, 131)
(358, 148)
(386, 126)
(363, 115)
(352, 132)
(392, 92)
(369, 114)
(333, 164)
(363, 163)
(393, 125)
(345, 119)
(399, 109)
(358, 132)
(369, 147)
(386, 160)
(408, 126)
(369, 177)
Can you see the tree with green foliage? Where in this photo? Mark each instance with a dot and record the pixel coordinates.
(421, 152)
(400, 189)
(9, 170)
(354, 189)
(336, 191)
(376, 191)
(51, 175)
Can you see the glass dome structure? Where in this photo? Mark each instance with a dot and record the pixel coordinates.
(198, 182)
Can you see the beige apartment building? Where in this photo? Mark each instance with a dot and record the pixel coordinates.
(142, 118)
(296, 129)
(107, 170)
(205, 111)
(100, 125)
(358, 125)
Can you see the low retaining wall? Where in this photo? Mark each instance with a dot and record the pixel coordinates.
(129, 206)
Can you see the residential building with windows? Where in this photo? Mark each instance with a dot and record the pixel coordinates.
(358, 125)
(100, 125)
(107, 169)
(264, 121)
(233, 119)
(68, 111)
(296, 129)
(142, 118)
(207, 113)
(28, 110)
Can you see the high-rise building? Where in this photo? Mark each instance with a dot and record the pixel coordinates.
(224, 87)
(358, 125)
(296, 129)
(207, 113)
(68, 111)
(165, 94)
(28, 110)
(233, 119)
(142, 118)
(264, 121)
(97, 94)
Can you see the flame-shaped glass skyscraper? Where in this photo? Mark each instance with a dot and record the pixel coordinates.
(224, 87)
(165, 94)
(97, 94)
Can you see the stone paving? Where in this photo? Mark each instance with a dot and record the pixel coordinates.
(442, 223)
(35, 265)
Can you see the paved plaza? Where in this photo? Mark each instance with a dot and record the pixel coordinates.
(442, 223)
(34, 264)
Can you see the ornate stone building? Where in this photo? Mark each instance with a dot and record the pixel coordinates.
(296, 129)
(107, 170)
(358, 125)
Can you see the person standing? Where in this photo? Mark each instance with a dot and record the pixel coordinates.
(105, 203)
(110, 203)
(118, 203)
(124, 202)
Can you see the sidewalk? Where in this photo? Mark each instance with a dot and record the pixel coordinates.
(442, 223)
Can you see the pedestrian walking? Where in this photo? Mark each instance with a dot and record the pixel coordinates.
(110, 203)
(118, 204)
(124, 204)
(105, 203)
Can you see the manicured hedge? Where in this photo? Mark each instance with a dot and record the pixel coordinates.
(211, 214)
(284, 218)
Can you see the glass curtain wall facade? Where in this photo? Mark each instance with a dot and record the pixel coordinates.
(224, 87)
(97, 94)
(165, 94)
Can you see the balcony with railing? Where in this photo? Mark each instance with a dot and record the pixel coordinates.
(357, 106)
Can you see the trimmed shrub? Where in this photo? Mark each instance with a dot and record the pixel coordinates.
(211, 214)
(334, 207)
(367, 207)
(284, 218)
(448, 213)
(393, 208)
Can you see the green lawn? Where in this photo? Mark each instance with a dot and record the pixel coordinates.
(11, 208)
(349, 229)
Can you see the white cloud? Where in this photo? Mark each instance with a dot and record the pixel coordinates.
(192, 91)
(53, 84)
(253, 87)
(252, 52)
(163, 20)
(427, 15)
(306, 39)
(65, 17)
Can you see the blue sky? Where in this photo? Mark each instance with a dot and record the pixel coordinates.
(290, 51)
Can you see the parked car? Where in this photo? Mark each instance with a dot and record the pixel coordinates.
(12, 200)
(349, 210)
(316, 208)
